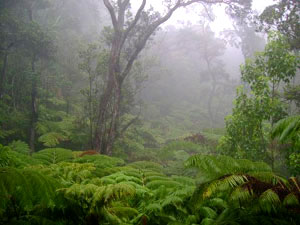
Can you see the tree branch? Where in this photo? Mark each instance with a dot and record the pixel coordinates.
(152, 27)
(112, 14)
(128, 125)
(136, 19)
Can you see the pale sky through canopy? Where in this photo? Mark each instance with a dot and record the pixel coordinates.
(191, 13)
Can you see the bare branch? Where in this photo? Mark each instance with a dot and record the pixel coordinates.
(136, 18)
(112, 14)
(207, 12)
(129, 124)
(141, 44)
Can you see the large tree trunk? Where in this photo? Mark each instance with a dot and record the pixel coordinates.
(109, 110)
(107, 123)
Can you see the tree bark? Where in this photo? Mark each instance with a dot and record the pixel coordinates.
(91, 111)
(4, 68)
(34, 112)
(3, 73)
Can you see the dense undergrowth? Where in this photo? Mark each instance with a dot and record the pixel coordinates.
(181, 183)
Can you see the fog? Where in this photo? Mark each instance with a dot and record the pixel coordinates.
(182, 81)
(158, 112)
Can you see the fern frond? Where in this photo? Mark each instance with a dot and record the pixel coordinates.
(5, 160)
(69, 173)
(207, 221)
(207, 212)
(269, 177)
(153, 207)
(51, 139)
(123, 212)
(105, 194)
(291, 200)
(171, 200)
(20, 147)
(104, 164)
(241, 195)
(152, 173)
(26, 188)
(217, 166)
(155, 178)
(166, 183)
(184, 180)
(53, 155)
(269, 201)
(143, 165)
(224, 184)
(120, 177)
(218, 203)
(287, 128)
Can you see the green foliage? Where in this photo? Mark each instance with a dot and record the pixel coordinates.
(244, 188)
(98, 188)
(4, 157)
(54, 126)
(28, 192)
(288, 130)
(212, 167)
(146, 165)
(9, 157)
(53, 155)
(102, 163)
(283, 17)
(247, 128)
(292, 93)
(68, 173)
(20, 147)
(294, 163)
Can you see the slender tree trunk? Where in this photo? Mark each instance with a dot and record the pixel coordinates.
(91, 113)
(209, 104)
(211, 94)
(3, 74)
(272, 125)
(34, 112)
(114, 121)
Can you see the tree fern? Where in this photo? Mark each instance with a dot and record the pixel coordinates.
(166, 183)
(101, 200)
(247, 187)
(212, 167)
(20, 146)
(288, 129)
(53, 155)
(5, 160)
(102, 163)
(54, 126)
(52, 139)
(146, 165)
(9, 157)
(25, 193)
(68, 173)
